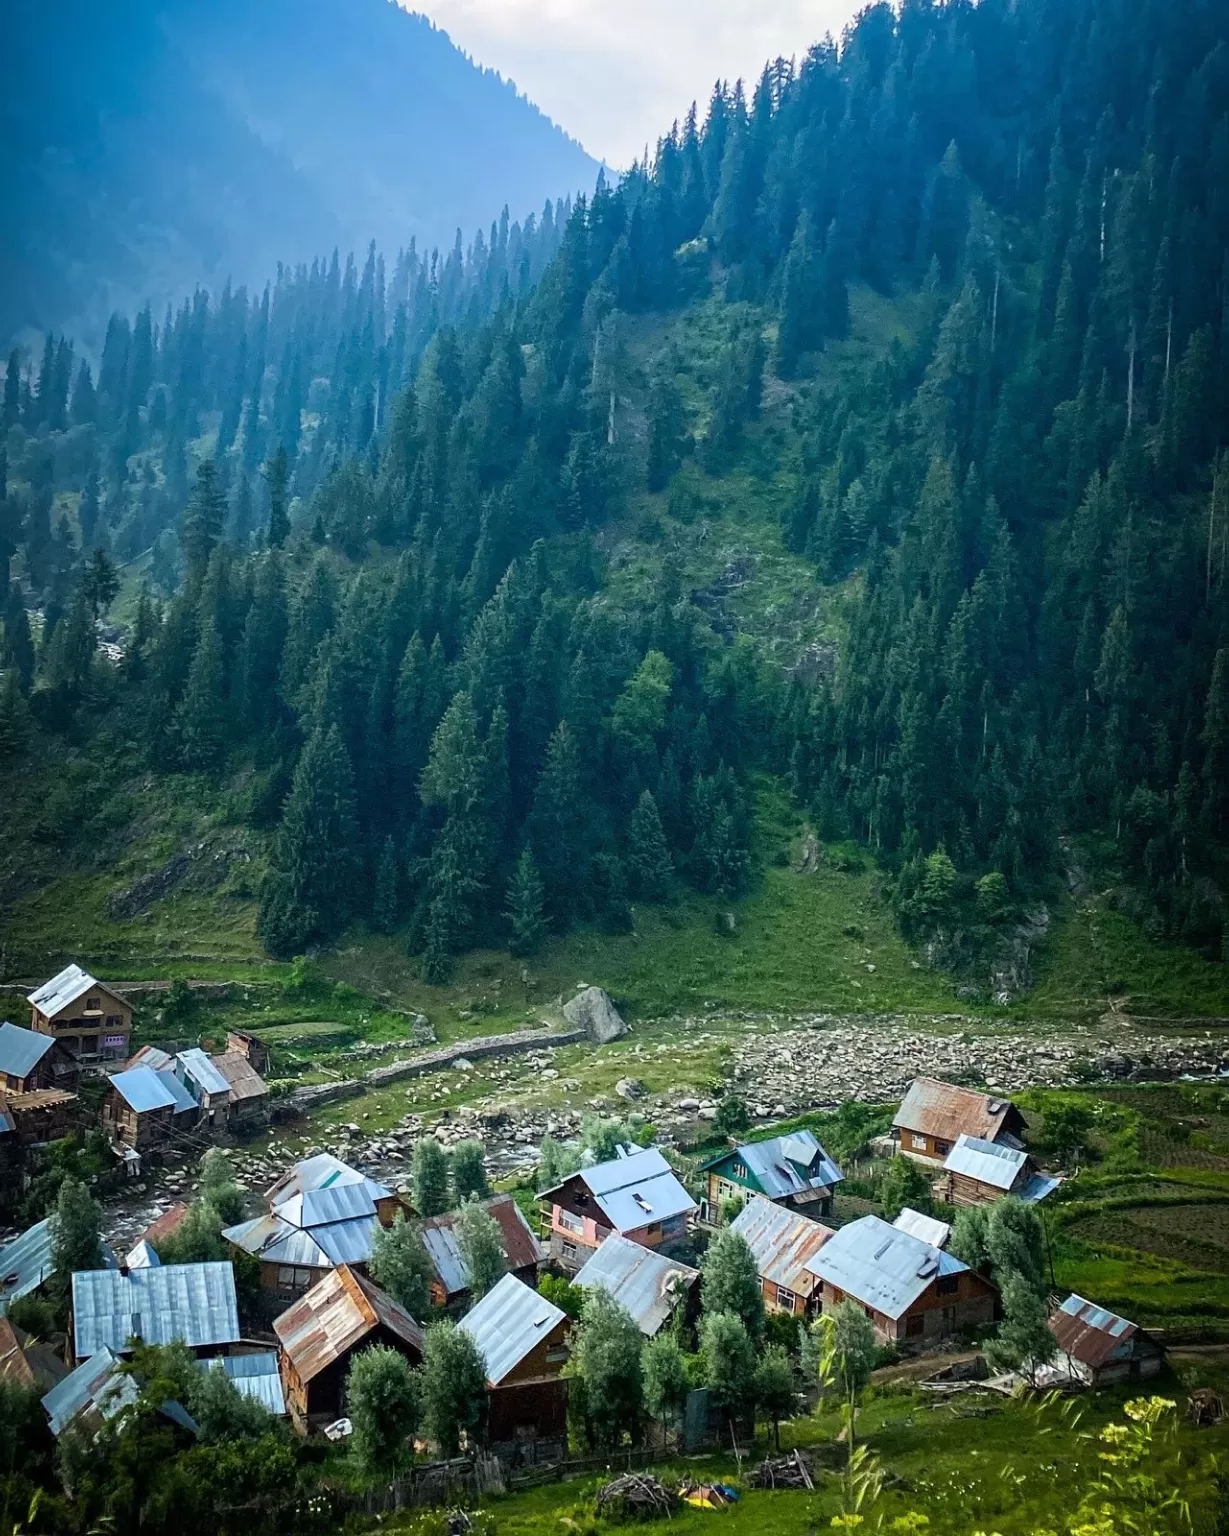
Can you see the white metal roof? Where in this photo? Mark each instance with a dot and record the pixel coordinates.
(508, 1323)
(928, 1228)
(197, 1066)
(194, 1303)
(71, 983)
(647, 1283)
(255, 1375)
(881, 1266)
(323, 1171)
(637, 1190)
(989, 1162)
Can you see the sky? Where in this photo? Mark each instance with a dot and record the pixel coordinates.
(616, 73)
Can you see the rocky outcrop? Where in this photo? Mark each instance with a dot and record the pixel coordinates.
(593, 1012)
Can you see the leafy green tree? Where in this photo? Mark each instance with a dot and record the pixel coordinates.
(648, 855)
(733, 1116)
(666, 1383)
(224, 1413)
(481, 1243)
(904, 1184)
(1016, 1243)
(728, 1354)
(219, 1187)
(774, 1388)
(525, 909)
(555, 1163)
(730, 1282)
(76, 1226)
(401, 1265)
(430, 1176)
(1024, 1340)
(383, 1402)
(469, 1171)
(845, 1359)
(562, 1293)
(453, 1387)
(970, 1237)
(606, 1362)
(1067, 1127)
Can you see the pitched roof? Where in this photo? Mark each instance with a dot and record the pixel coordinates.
(1089, 1333)
(940, 1109)
(323, 1171)
(97, 1384)
(197, 1067)
(142, 1089)
(321, 1207)
(274, 1241)
(21, 1050)
(25, 1262)
(335, 1316)
(65, 988)
(508, 1323)
(184, 1102)
(783, 1242)
(191, 1302)
(241, 1076)
(150, 1056)
(166, 1225)
(647, 1283)
(520, 1246)
(255, 1375)
(634, 1189)
(27, 1361)
(928, 1228)
(142, 1255)
(785, 1165)
(987, 1161)
(881, 1266)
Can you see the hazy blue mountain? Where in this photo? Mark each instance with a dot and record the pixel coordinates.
(147, 145)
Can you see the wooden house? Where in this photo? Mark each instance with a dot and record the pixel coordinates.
(933, 1116)
(650, 1285)
(523, 1252)
(27, 1361)
(909, 1290)
(636, 1194)
(793, 1170)
(784, 1244)
(318, 1336)
(252, 1048)
(206, 1084)
(1100, 1348)
(249, 1093)
(160, 1304)
(33, 1119)
(90, 1021)
(523, 1339)
(979, 1172)
(140, 1109)
(30, 1061)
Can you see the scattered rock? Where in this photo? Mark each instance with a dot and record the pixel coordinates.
(630, 1088)
(593, 1011)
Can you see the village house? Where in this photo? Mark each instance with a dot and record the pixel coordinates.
(650, 1285)
(322, 1213)
(1100, 1348)
(26, 1262)
(929, 1228)
(249, 1093)
(980, 1172)
(523, 1338)
(934, 1115)
(636, 1194)
(90, 1021)
(793, 1170)
(26, 1361)
(192, 1303)
(908, 1289)
(30, 1061)
(255, 1374)
(784, 1244)
(251, 1047)
(205, 1083)
(222, 1091)
(319, 1336)
(33, 1119)
(139, 1109)
(523, 1252)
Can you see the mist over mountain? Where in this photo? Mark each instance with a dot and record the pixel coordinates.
(150, 145)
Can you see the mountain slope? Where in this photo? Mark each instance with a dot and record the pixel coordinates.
(149, 147)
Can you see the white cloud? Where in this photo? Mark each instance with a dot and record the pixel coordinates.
(616, 73)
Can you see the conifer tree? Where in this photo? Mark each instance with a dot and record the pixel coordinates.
(525, 909)
(12, 390)
(648, 855)
(201, 720)
(203, 520)
(14, 715)
(384, 902)
(277, 476)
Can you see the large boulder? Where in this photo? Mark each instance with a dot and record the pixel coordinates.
(592, 1011)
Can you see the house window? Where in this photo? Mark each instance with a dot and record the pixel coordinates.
(915, 1325)
(569, 1222)
(918, 1143)
(291, 1281)
(569, 1250)
(947, 1285)
(92, 1005)
(114, 1021)
(870, 1312)
(943, 1148)
(785, 1299)
(740, 1171)
(653, 1228)
(557, 1356)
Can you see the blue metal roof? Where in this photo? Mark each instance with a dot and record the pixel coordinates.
(636, 1190)
(881, 1266)
(142, 1089)
(143, 1256)
(255, 1375)
(274, 1241)
(25, 1262)
(196, 1066)
(928, 1228)
(508, 1323)
(320, 1207)
(647, 1283)
(1040, 1187)
(183, 1099)
(323, 1171)
(786, 1165)
(347, 1242)
(21, 1050)
(191, 1302)
(94, 1384)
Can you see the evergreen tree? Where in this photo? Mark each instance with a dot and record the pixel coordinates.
(277, 477)
(525, 908)
(12, 390)
(203, 520)
(14, 715)
(384, 902)
(648, 856)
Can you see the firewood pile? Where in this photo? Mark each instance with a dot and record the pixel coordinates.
(635, 1496)
(1205, 1408)
(792, 1471)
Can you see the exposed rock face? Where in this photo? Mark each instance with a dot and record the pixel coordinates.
(593, 1011)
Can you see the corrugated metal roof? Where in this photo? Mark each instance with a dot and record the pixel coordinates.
(28, 1361)
(150, 1056)
(783, 1242)
(335, 1316)
(786, 1165)
(97, 1384)
(142, 1089)
(521, 1247)
(21, 1050)
(635, 1190)
(241, 1076)
(191, 1302)
(323, 1171)
(348, 1242)
(184, 1102)
(1089, 1333)
(255, 1375)
(648, 1284)
(319, 1207)
(945, 1110)
(929, 1229)
(25, 1262)
(142, 1256)
(1040, 1187)
(508, 1323)
(986, 1161)
(274, 1241)
(881, 1266)
(620, 1172)
(195, 1065)
(66, 987)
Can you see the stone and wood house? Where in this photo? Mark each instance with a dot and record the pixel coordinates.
(933, 1116)
(636, 1194)
(652, 1286)
(1100, 1348)
(522, 1251)
(785, 1245)
(90, 1020)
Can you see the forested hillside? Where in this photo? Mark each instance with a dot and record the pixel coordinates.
(150, 146)
(388, 524)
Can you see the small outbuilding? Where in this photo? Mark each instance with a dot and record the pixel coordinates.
(30, 1061)
(979, 1172)
(785, 1245)
(140, 1110)
(523, 1252)
(249, 1093)
(256, 1375)
(523, 1338)
(1101, 1348)
(649, 1284)
(318, 1336)
(929, 1228)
